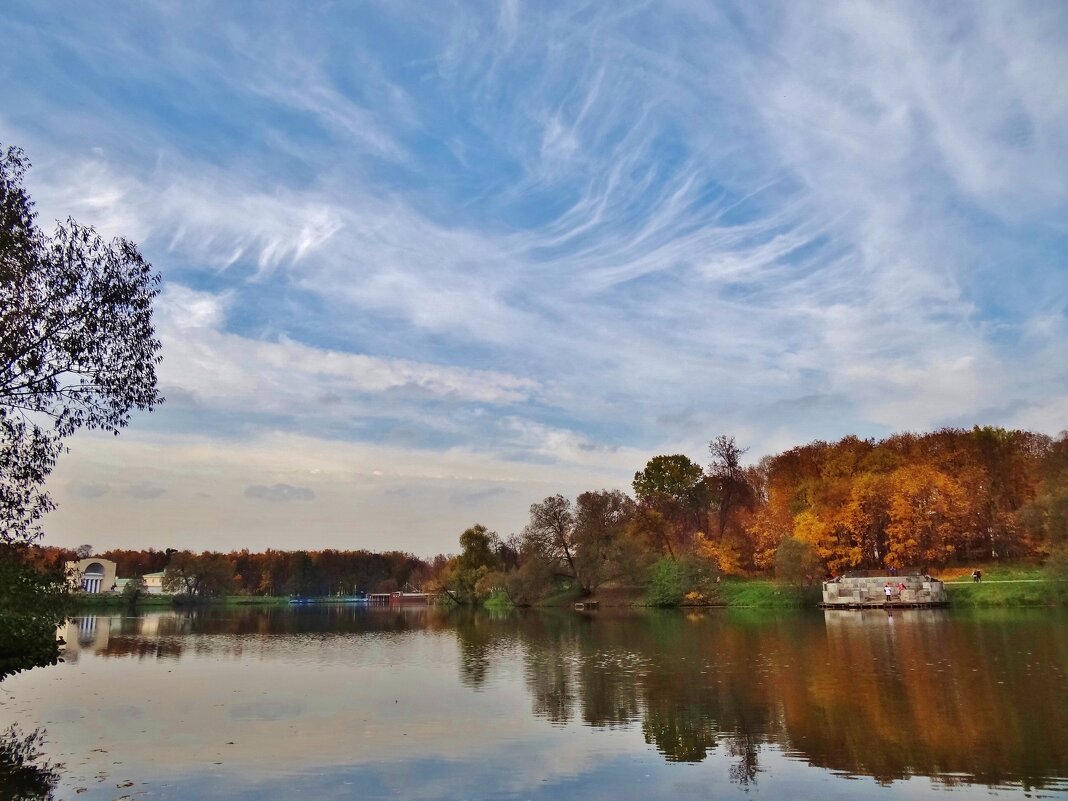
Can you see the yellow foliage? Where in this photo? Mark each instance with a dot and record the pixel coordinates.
(724, 555)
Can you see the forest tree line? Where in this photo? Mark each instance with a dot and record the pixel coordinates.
(910, 501)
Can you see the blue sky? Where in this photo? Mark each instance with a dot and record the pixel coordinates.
(425, 264)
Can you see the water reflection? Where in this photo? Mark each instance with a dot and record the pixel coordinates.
(916, 693)
(24, 776)
(962, 699)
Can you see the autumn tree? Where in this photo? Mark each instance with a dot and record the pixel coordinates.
(863, 519)
(533, 577)
(729, 482)
(928, 516)
(1045, 517)
(674, 487)
(602, 549)
(198, 575)
(464, 576)
(304, 577)
(552, 530)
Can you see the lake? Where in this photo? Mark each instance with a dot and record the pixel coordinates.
(344, 702)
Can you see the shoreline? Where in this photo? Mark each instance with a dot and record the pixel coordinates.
(1035, 591)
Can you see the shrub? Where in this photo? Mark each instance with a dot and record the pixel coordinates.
(667, 582)
(134, 589)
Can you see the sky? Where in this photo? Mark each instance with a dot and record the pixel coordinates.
(427, 263)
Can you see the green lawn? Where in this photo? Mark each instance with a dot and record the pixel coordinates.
(1009, 593)
(765, 593)
(994, 572)
(498, 601)
(1007, 585)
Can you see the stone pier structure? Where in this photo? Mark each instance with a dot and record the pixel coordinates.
(861, 592)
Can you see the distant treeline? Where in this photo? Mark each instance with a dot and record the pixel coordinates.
(326, 572)
(921, 501)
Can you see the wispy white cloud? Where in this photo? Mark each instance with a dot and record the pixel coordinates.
(589, 232)
(219, 368)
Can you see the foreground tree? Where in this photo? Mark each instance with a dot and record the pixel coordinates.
(33, 604)
(77, 350)
(77, 347)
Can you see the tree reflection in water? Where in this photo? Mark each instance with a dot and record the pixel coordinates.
(23, 775)
(921, 694)
(959, 698)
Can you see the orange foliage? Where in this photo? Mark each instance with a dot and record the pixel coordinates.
(907, 501)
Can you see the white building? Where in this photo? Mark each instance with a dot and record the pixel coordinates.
(93, 575)
(154, 583)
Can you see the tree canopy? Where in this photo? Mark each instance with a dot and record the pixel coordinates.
(77, 350)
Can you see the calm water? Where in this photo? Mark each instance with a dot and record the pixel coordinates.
(338, 702)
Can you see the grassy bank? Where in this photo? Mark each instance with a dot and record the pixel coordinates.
(992, 593)
(1002, 586)
(764, 593)
(1006, 585)
(498, 602)
(730, 592)
(115, 601)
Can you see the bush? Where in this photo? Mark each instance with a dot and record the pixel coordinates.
(134, 589)
(667, 582)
